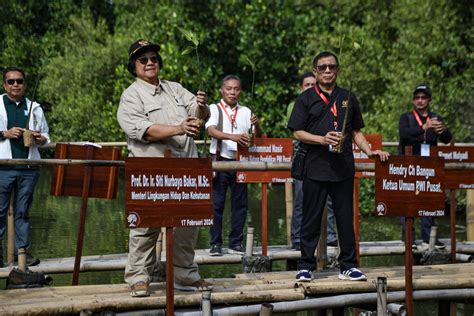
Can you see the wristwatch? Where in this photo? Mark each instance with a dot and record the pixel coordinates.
(2, 135)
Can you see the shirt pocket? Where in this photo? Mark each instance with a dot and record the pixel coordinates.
(155, 113)
(177, 112)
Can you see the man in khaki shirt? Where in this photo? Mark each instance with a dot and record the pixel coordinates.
(157, 115)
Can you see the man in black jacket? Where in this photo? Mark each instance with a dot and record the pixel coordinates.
(421, 129)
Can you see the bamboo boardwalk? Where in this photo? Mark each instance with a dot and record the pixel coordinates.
(243, 289)
(117, 262)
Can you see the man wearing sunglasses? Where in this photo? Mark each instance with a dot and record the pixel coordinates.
(420, 128)
(157, 115)
(317, 120)
(18, 113)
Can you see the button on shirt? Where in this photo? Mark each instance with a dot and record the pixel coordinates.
(241, 126)
(143, 104)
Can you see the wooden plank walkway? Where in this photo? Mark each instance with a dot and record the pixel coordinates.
(116, 262)
(243, 289)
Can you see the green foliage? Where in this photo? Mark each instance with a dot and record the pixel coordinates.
(79, 50)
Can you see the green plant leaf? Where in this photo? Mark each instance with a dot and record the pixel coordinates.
(187, 50)
(188, 34)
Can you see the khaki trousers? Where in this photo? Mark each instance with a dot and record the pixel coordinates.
(142, 255)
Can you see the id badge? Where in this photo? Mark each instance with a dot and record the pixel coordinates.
(425, 150)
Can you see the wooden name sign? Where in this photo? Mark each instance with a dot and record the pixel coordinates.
(456, 179)
(266, 150)
(375, 143)
(68, 180)
(168, 192)
(409, 186)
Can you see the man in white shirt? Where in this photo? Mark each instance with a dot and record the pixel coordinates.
(229, 126)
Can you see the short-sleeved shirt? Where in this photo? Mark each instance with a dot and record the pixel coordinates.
(143, 104)
(240, 116)
(311, 114)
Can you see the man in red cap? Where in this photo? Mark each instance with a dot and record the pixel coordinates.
(157, 115)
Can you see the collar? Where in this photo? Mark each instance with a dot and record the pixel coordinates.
(428, 113)
(150, 88)
(326, 93)
(8, 101)
(228, 106)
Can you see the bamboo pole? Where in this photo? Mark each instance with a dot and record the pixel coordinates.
(216, 165)
(340, 301)
(121, 302)
(470, 214)
(249, 241)
(113, 262)
(200, 142)
(22, 259)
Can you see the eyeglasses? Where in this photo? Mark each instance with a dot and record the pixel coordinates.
(11, 82)
(144, 60)
(323, 67)
(422, 97)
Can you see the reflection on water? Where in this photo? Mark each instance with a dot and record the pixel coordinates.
(55, 223)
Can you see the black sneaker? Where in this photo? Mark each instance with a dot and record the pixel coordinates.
(30, 260)
(18, 279)
(215, 251)
(296, 246)
(239, 250)
(332, 243)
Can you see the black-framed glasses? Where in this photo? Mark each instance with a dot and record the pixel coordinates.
(144, 60)
(323, 67)
(11, 82)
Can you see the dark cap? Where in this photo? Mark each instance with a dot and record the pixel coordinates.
(137, 48)
(424, 88)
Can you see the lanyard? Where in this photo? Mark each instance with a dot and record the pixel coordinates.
(232, 118)
(325, 100)
(420, 123)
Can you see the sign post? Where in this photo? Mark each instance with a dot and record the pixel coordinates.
(168, 192)
(455, 179)
(84, 181)
(266, 150)
(411, 187)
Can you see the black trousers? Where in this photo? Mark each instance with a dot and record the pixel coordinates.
(314, 199)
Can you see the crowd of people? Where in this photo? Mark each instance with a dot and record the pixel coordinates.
(158, 115)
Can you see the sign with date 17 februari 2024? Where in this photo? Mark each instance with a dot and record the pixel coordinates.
(410, 186)
(168, 192)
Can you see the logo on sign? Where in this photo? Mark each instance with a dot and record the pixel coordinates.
(381, 209)
(133, 219)
(241, 177)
